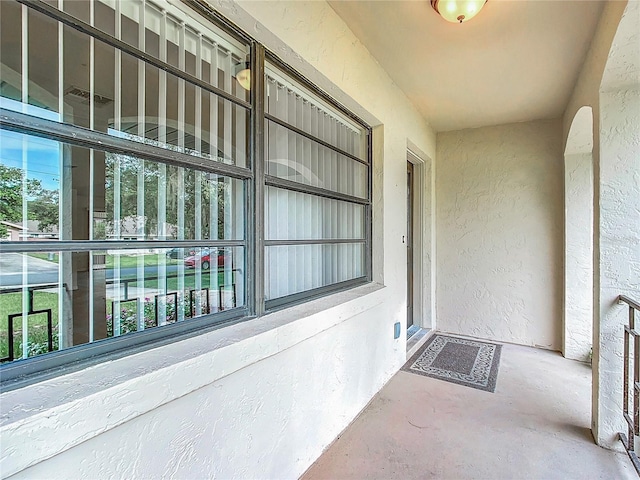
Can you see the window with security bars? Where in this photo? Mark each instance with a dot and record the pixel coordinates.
(316, 192)
(128, 180)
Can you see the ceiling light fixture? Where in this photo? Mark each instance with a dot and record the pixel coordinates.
(243, 75)
(457, 11)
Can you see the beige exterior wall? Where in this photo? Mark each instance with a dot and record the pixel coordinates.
(618, 256)
(577, 338)
(578, 280)
(499, 233)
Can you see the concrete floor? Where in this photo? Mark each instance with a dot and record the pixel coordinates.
(535, 426)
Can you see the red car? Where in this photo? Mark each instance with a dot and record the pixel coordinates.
(204, 259)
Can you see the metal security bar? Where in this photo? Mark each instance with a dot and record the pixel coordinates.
(631, 391)
(175, 112)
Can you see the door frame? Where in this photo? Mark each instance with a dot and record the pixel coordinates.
(410, 245)
(424, 268)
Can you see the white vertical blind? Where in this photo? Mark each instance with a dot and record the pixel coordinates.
(294, 216)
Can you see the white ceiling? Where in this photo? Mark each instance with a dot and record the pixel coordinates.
(517, 60)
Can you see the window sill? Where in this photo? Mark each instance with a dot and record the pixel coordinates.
(75, 407)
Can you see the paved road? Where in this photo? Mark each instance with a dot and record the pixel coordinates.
(42, 271)
(39, 271)
(12, 263)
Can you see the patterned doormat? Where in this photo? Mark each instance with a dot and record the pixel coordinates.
(458, 360)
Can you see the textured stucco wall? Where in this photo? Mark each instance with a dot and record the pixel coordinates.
(287, 393)
(578, 302)
(259, 422)
(587, 92)
(611, 63)
(618, 257)
(428, 276)
(499, 232)
(587, 88)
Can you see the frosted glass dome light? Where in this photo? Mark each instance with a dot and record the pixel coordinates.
(457, 11)
(243, 75)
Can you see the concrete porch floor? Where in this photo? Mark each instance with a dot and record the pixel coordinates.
(535, 426)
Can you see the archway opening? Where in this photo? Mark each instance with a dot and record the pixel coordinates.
(578, 238)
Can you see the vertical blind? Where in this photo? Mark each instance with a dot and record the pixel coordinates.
(312, 240)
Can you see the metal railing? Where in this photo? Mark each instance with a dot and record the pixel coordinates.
(631, 392)
(124, 282)
(190, 298)
(32, 311)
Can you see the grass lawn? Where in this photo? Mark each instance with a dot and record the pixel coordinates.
(189, 281)
(150, 259)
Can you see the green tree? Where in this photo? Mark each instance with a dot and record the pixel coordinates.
(129, 168)
(44, 209)
(11, 198)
